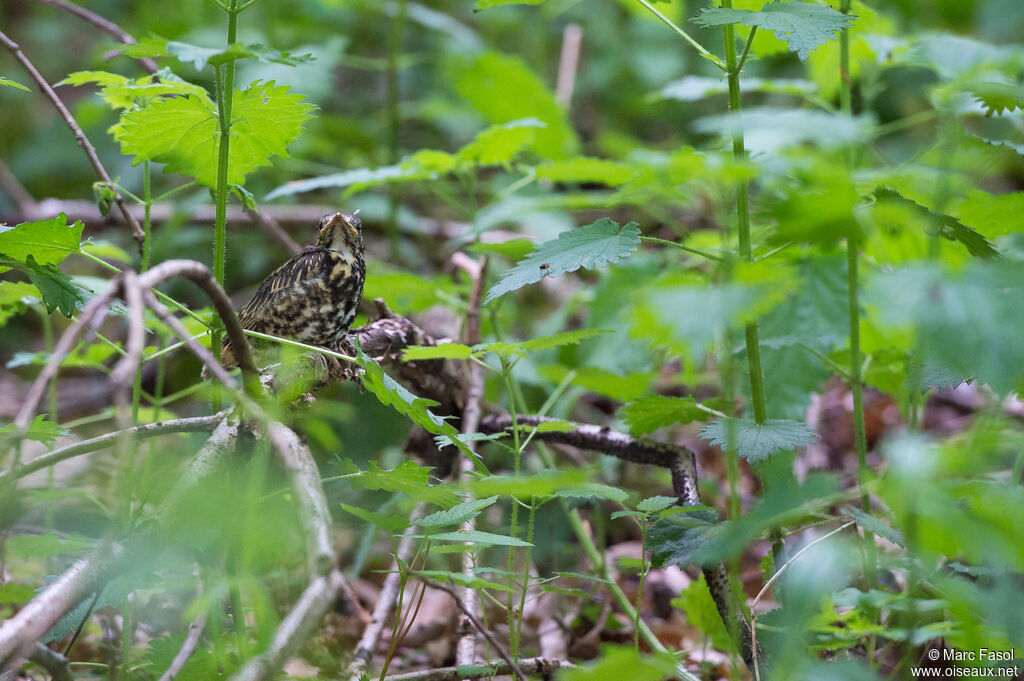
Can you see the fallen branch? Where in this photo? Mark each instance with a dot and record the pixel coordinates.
(53, 662)
(531, 665)
(83, 141)
(188, 646)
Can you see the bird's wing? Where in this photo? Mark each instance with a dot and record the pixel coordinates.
(283, 286)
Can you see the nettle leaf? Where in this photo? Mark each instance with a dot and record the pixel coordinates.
(540, 484)
(876, 525)
(15, 297)
(597, 244)
(593, 490)
(468, 581)
(757, 442)
(155, 46)
(623, 662)
(987, 212)
(58, 290)
(388, 523)
(409, 478)
(650, 413)
(7, 82)
(676, 539)
(440, 351)
(602, 381)
(802, 26)
(696, 88)
(499, 144)
(39, 430)
(998, 97)
(582, 169)
(49, 242)
(456, 515)
(655, 504)
(121, 92)
(770, 129)
(950, 227)
(183, 132)
(393, 394)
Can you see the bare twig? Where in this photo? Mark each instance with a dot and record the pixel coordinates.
(385, 605)
(568, 64)
(188, 646)
(10, 184)
(295, 628)
(105, 25)
(273, 228)
(498, 648)
(532, 665)
(53, 662)
(465, 646)
(83, 141)
(186, 425)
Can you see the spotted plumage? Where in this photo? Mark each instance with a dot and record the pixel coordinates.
(313, 297)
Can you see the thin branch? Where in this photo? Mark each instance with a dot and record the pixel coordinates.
(105, 25)
(498, 648)
(273, 228)
(83, 141)
(796, 555)
(533, 665)
(568, 64)
(386, 600)
(188, 646)
(205, 356)
(186, 425)
(15, 188)
(295, 628)
(53, 662)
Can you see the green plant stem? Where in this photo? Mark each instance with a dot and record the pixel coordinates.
(852, 283)
(686, 36)
(147, 204)
(513, 519)
(47, 324)
(225, 92)
(704, 253)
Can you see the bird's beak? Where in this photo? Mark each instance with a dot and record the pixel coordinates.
(340, 219)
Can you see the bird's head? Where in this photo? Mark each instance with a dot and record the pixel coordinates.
(341, 232)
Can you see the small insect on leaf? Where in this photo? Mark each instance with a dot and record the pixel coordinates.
(545, 266)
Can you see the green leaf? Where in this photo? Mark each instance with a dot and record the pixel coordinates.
(441, 351)
(998, 97)
(757, 442)
(154, 46)
(461, 579)
(15, 297)
(121, 92)
(650, 413)
(541, 484)
(656, 504)
(543, 343)
(623, 662)
(698, 604)
(12, 593)
(582, 169)
(477, 538)
(802, 26)
(950, 227)
(770, 129)
(183, 132)
(389, 523)
(987, 213)
(456, 515)
(488, 4)
(504, 89)
(596, 244)
(409, 478)
(499, 144)
(39, 430)
(46, 545)
(593, 490)
(12, 83)
(875, 525)
(696, 88)
(676, 539)
(48, 241)
(58, 290)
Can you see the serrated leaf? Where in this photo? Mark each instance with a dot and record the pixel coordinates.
(499, 144)
(802, 26)
(988, 213)
(655, 504)
(183, 132)
(409, 478)
(488, 4)
(676, 539)
(443, 441)
(389, 523)
(58, 290)
(121, 92)
(15, 297)
(154, 46)
(39, 430)
(875, 525)
(597, 244)
(998, 97)
(593, 490)
(951, 228)
(698, 604)
(650, 413)
(456, 515)
(112, 595)
(461, 579)
(757, 442)
(541, 484)
(49, 242)
(622, 662)
(477, 538)
(440, 351)
(13, 83)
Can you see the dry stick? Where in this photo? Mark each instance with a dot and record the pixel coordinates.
(83, 141)
(123, 373)
(20, 631)
(465, 645)
(531, 665)
(15, 188)
(105, 25)
(186, 425)
(500, 649)
(53, 662)
(188, 646)
(568, 63)
(273, 228)
(386, 601)
(295, 628)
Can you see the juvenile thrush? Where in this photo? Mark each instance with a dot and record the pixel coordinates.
(313, 297)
